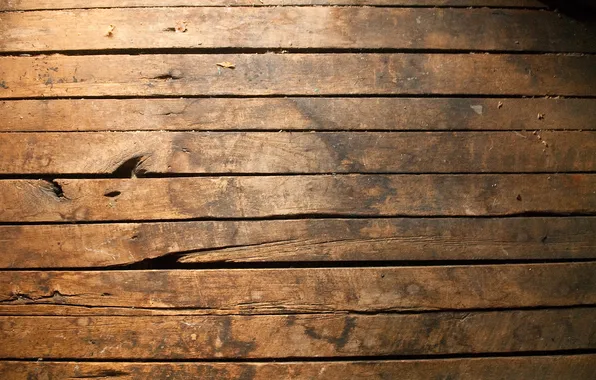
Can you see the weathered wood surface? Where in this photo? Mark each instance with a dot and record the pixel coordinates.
(581, 367)
(295, 28)
(14, 5)
(297, 113)
(273, 196)
(298, 152)
(97, 245)
(297, 74)
(296, 336)
(281, 291)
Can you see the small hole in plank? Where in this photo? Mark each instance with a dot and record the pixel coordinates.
(112, 194)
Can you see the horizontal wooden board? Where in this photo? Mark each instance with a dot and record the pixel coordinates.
(399, 239)
(14, 5)
(296, 336)
(297, 113)
(275, 196)
(297, 74)
(295, 28)
(298, 152)
(307, 290)
(579, 367)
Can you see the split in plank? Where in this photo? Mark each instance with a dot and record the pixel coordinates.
(396, 239)
(307, 290)
(275, 196)
(578, 367)
(298, 152)
(297, 74)
(296, 336)
(74, 4)
(295, 28)
(297, 113)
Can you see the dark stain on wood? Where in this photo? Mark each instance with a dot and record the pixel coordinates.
(338, 341)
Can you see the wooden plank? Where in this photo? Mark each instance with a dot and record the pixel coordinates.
(296, 336)
(399, 239)
(307, 290)
(579, 367)
(298, 152)
(297, 113)
(275, 196)
(14, 5)
(297, 74)
(295, 28)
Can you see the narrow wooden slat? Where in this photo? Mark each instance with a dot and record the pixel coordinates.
(298, 152)
(294, 336)
(276, 291)
(579, 367)
(297, 114)
(96, 245)
(235, 197)
(15, 5)
(295, 27)
(297, 74)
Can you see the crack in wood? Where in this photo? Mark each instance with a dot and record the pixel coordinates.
(56, 296)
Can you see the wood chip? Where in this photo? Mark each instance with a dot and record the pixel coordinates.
(500, 105)
(540, 116)
(110, 31)
(181, 27)
(227, 65)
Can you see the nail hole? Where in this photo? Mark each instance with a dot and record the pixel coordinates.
(519, 198)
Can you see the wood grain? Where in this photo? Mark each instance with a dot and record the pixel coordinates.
(296, 336)
(298, 113)
(580, 367)
(15, 5)
(275, 196)
(399, 239)
(297, 74)
(295, 28)
(298, 152)
(282, 291)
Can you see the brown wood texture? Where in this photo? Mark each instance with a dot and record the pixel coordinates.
(298, 152)
(581, 367)
(274, 196)
(367, 240)
(295, 28)
(307, 290)
(15, 5)
(296, 336)
(297, 74)
(297, 113)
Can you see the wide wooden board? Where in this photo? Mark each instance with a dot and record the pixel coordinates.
(297, 74)
(298, 152)
(264, 291)
(296, 336)
(298, 113)
(314, 240)
(295, 28)
(579, 367)
(277, 196)
(14, 5)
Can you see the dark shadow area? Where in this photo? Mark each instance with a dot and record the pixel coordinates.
(581, 10)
